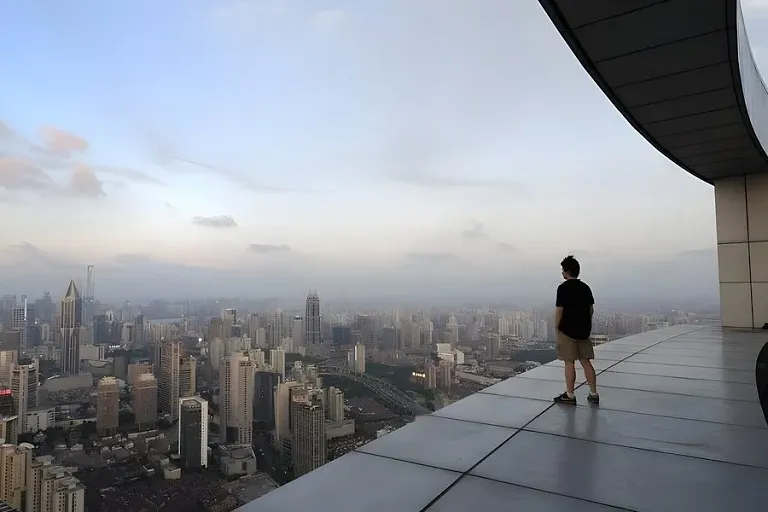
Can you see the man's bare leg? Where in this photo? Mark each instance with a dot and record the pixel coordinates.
(570, 377)
(589, 373)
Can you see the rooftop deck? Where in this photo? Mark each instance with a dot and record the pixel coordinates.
(679, 427)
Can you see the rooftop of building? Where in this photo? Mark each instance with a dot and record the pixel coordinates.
(679, 427)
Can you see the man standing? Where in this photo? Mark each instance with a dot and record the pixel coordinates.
(573, 319)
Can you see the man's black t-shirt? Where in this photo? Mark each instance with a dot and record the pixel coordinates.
(575, 297)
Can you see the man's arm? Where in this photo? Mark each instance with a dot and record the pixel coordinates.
(558, 317)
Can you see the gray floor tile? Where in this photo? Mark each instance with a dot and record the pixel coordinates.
(726, 443)
(686, 372)
(693, 387)
(663, 350)
(551, 373)
(625, 477)
(472, 493)
(495, 410)
(598, 364)
(408, 487)
(614, 355)
(440, 442)
(706, 348)
(730, 412)
(528, 388)
(723, 362)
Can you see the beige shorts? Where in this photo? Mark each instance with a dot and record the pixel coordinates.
(571, 350)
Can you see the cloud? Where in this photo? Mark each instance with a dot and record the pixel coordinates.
(28, 254)
(169, 205)
(431, 257)
(131, 258)
(475, 232)
(63, 143)
(234, 177)
(216, 221)
(129, 174)
(269, 249)
(428, 180)
(84, 183)
(17, 173)
(5, 131)
(420, 161)
(507, 247)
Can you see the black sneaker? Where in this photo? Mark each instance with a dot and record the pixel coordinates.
(565, 399)
(593, 399)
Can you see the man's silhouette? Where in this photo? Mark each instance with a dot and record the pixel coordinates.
(573, 319)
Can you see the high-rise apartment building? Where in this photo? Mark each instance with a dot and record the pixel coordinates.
(51, 488)
(312, 325)
(7, 303)
(187, 376)
(307, 430)
(22, 318)
(170, 369)
(283, 414)
(334, 405)
(71, 330)
(9, 420)
(444, 375)
(107, 406)
(24, 389)
(193, 432)
(136, 369)
(13, 473)
(236, 384)
(275, 329)
(144, 400)
(7, 359)
(356, 359)
(297, 331)
(277, 361)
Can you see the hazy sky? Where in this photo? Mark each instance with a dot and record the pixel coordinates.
(265, 147)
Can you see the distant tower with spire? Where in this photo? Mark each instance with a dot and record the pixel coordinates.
(71, 330)
(312, 326)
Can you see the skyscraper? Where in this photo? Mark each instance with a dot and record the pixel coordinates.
(312, 326)
(71, 330)
(168, 387)
(187, 376)
(307, 430)
(236, 384)
(193, 432)
(144, 400)
(107, 406)
(20, 322)
(24, 389)
(264, 398)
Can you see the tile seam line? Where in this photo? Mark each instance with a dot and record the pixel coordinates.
(677, 377)
(634, 389)
(496, 480)
(609, 408)
(684, 365)
(652, 450)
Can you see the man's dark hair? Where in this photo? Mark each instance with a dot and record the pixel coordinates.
(571, 265)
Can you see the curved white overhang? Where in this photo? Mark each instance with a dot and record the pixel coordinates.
(681, 72)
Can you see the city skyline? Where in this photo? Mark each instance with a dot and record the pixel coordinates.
(371, 171)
